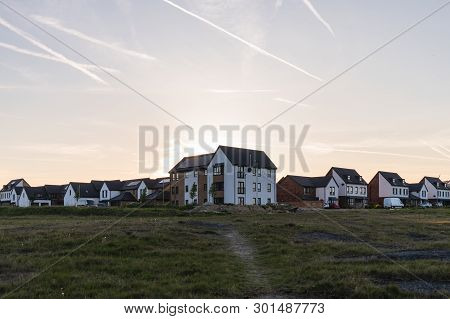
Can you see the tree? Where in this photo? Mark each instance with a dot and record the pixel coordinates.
(143, 195)
(212, 191)
(193, 192)
(77, 195)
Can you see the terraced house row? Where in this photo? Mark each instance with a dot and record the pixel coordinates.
(235, 176)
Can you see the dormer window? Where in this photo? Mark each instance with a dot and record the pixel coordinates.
(393, 180)
(360, 178)
(403, 181)
(348, 177)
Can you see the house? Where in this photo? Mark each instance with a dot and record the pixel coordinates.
(6, 193)
(56, 194)
(352, 190)
(137, 187)
(115, 192)
(230, 175)
(109, 190)
(418, 194)
(82, 194)
(302, 191)
(438, 191)
(387, 185)
(159, 190)
(15, 195)
(34, 196)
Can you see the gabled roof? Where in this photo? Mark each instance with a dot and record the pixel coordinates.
(124, 197)
(133, 184)
(345, 173)
(417, 187)
(192, 162)
(18, 190)
(246, 157)
(8, 187)
(315, 182)
(115, 185)
(56, 189)
(394, 179)
(36, 193)
(87, 190)
(436, 182)
(159, 183)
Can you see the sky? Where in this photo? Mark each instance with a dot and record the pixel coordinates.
(211, 62)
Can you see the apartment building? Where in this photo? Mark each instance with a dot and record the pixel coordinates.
(230, 175)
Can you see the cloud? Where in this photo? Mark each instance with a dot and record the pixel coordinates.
(42, 46)
(236, 37)
(230, 91)
(56, 24)
(51, 57)
(309, 5)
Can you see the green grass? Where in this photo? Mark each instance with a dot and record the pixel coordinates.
(171, 253)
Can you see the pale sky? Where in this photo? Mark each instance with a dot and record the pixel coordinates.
(235, 62)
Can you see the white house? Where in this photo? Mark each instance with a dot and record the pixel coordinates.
(6, 193)
(352, 187)
(87, 193)
(238, 176)
(34, 196)
(438, 191)
(388, 185)
(418, 194)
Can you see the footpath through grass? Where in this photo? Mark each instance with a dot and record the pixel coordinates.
(169, 253)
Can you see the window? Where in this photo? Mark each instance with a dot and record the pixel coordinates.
(348, 189)
(218, 169)
(259, 187)
(195, 201)
(218, 200)
(241, 188)
(254, 171)
(269, 187)
(259, 172)
(259, 201)
(241, 172)
(187, 189)
(176, 190)
(348, 177)
(241, 200)
(254, 187)
(269, 173)
(424, 193)
(356, 190)
(404, 191)
(395, 191)
(269, 201)
(205, 200)
(205, 172)
(173, 190)
(309, 190)
(332, 190)
(254, 201)
(195, 173)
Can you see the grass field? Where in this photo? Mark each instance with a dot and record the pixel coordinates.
(168, 253)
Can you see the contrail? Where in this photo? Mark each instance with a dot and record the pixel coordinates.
(236, 37)
(42, 46)
(50, 57)
(318, 16)
(58, 26)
